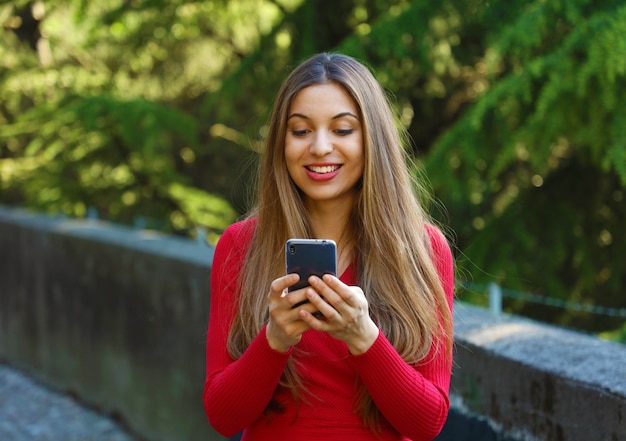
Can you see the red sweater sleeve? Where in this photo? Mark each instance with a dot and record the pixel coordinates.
(413, 399)
(235, 392)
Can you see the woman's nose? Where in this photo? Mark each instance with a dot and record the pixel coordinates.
(321, 145)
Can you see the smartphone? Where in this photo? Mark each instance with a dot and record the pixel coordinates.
(310, 257)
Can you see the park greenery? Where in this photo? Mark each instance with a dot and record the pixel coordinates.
(151, 112)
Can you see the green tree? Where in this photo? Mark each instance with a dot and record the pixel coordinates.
(541, 157)
(516, 110)
(157, 108)
(96, 100)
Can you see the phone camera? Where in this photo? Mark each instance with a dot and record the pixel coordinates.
(292, 249)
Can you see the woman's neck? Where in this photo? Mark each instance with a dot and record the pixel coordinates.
(333, 222)
(329, 222)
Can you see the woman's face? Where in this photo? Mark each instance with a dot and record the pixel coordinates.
(324, 144)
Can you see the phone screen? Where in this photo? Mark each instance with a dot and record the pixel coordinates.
(309, 257)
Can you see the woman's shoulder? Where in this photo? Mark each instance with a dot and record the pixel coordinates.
(235, 240)
(438, 241)
(241, 230)
(443, 259)
(434, 233)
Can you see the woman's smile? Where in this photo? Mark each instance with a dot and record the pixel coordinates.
(322, 172)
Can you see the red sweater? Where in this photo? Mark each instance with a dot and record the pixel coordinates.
(412, 399)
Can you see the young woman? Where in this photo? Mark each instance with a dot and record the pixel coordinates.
(376, 365)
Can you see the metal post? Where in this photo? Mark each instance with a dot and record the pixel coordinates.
(495, 299)
(201, 235)
(92, 212)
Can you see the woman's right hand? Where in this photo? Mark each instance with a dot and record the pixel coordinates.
(285, 328)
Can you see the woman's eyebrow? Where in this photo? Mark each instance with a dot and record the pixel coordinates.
(342, 114)
(297, 115)
(339, 115)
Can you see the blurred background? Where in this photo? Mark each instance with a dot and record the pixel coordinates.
(150, 113)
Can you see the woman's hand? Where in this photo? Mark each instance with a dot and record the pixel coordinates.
(345, 311)
(285, 326)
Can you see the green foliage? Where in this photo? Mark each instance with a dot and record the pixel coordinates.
(558, 101)
(115, 156)
(541, 156)
(155, 109)
(97, 105)
(618, 335)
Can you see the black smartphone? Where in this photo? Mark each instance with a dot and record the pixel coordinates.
(310, 257)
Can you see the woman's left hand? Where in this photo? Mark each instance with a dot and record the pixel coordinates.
(345, 311)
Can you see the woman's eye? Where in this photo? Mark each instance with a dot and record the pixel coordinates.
(299, 132)
(344, 132)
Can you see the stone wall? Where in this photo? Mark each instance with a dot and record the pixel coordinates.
(114, 316)
(538, 382)
(118, 318)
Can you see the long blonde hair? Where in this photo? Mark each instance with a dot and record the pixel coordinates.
(395, 268)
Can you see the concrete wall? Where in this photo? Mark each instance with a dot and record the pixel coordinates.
(115, 316)
(538, 382)
(118, 317)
